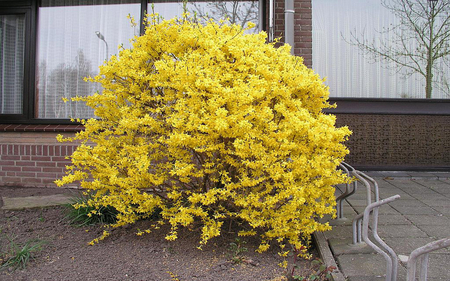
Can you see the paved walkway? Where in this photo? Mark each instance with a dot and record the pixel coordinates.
(420, 216)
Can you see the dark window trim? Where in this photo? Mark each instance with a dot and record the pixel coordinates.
(344, 105)
(28, 75)
(390, 106)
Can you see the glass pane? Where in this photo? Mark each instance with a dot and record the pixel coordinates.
(239, 12)
(72, 42)
(350, 73)
(12, 48)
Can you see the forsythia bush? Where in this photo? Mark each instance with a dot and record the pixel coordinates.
(208, 124)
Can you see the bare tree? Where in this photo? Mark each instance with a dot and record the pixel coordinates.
(237, 11)
(66, 81)
(418, 42)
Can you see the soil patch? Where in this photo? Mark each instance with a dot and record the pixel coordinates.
(124, 255)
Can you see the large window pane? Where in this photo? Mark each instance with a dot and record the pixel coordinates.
(238, 11)
(349, 73)
(12, 47)
(72, 42)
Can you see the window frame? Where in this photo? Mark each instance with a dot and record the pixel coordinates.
(29, 8)
(28, 67)
(390, 106)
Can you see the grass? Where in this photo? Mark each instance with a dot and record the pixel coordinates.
(79, 213)
(18, 255)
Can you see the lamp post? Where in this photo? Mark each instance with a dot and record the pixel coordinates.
(101, 37)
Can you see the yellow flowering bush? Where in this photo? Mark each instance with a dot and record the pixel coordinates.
(208, 124)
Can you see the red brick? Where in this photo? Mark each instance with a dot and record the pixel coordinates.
(47, 175)
(41, 158)
(50, 182)
(7, 163)
(62, 164)
(11, 168)
(10, 179)
(46, 164)
(60, 159)
(26, 174)
(52, 170)
(31, 180)
(31, 169)
(25, 163)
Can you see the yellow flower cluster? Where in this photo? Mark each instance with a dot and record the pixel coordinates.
(208, 124)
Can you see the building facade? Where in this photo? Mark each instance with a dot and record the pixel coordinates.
(48, 46)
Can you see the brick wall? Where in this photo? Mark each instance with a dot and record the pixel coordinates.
(302, 27)
(32, 159)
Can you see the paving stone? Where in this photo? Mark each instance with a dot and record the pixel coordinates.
(403, 195)
(437, 202)
(34, 201)
(428, 220)
(398, 231)
(405, 245)
(416, 210)
(384, 209)
(438, 265)
(442, 210)
(434, 183)
(408, 203)
(341, 231)
(372, 265)
(436, 231)
(345, 246)
(393, 219)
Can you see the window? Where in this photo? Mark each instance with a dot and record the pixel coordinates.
(350, 73)
(12, 50)
(73, 40)
(44, 58)
(238, 11)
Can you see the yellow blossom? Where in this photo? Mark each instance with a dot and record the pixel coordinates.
(204, 123)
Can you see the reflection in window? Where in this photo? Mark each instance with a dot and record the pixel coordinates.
(12, 47)
(348, 72)
(237, 11)
(72, 42)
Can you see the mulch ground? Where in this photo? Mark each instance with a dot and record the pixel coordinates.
(123, 255)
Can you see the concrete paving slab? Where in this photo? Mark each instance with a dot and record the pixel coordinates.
(339, 231)
(403, 195)
(416, 210)
(405, 230)
(438, 266)
(393, 219)
(407, 203)
(405, 245)
(382, 210)
(19, 203)
(345, 247)
(428, 220)
(436, 231)
(442, 175)
(445, 211)
(420, 216)
(370, 265)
